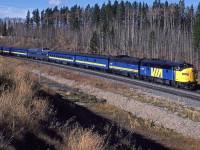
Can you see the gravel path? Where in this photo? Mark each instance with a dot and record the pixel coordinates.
(143, 110)
(187, 102)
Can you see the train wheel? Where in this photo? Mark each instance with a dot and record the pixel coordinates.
(173, 83)
(131, 75)
(189, 86)
(103, 70)
(177, 85)
(141, 77)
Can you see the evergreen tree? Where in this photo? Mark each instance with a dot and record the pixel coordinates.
(10, 28)
(109, 11)
(176, 15)
(28, 19)
(182, 13)
(49, 17)
(43, 18)
(196, 29)
(104, 19)
(114, 9)
(144, 12)
(31, 22)
(166, 4)
(156, 4)
(74, 18)
(4, 31)
(64, 13)
(189, 17)
(152, 41)
(96, 15)
(36, 17)
(121, 12)
(94, 43)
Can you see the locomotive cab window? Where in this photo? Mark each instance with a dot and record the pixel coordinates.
(184, 66)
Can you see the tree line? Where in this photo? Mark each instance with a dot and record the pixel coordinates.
(161, 30)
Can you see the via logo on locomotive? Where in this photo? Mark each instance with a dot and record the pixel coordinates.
(156, 72)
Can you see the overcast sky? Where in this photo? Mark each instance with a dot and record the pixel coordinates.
(19, 8)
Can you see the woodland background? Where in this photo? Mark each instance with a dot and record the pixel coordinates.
(162, 30)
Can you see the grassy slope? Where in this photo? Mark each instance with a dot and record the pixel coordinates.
(28, 119)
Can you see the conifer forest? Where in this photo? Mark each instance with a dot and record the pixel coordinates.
(159, 30)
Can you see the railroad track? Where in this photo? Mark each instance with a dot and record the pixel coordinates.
(194, 95)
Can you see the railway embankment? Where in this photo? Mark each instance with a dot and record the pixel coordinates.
(146, 111)
(152, 114)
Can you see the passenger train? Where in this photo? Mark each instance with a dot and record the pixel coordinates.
(178, 74)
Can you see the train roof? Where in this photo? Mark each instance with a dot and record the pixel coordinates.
(14, 48)
(159, 62)
(35, 49)
(46, 51)
(91, 55)
(125, 58)
(7, 47)
(61, 53)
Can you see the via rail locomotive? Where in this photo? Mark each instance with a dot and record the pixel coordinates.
(178, 74)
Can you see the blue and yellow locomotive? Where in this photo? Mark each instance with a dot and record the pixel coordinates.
(179, 74)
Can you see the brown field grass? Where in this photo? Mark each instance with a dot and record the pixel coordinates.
(146, 127)
(83, 139)
(20, 109)
(22, 112)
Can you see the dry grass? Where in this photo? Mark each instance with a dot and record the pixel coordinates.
(75, 137)
(146, 127)
(83, 139)
(22, 111)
